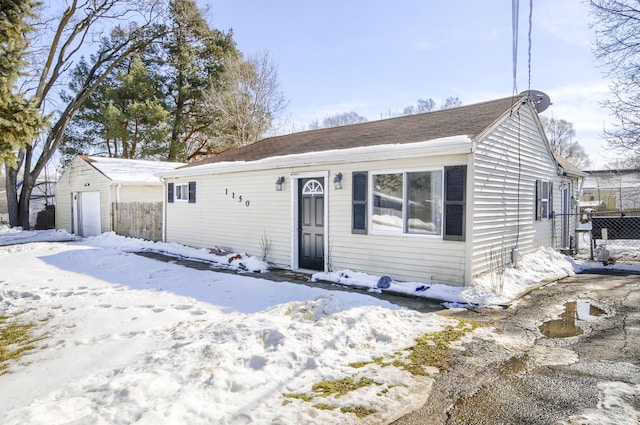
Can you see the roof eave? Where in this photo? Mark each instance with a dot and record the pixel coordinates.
(444, 146)
(573, 173)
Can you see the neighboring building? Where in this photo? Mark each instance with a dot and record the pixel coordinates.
(434, 197)
(96, 195)
(42, 201)
(613, 190)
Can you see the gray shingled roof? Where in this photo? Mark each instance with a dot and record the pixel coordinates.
(470, 120)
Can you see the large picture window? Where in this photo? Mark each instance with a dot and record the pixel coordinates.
(409, 202)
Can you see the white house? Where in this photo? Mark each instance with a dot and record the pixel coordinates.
(433, 197)
(92, 190)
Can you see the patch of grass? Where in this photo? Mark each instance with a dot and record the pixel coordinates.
(340, 387)
(299, 396)
(378, 360)
(16, 339)
(324, 406)
(430, 350)
(359, 411)
(433, 349)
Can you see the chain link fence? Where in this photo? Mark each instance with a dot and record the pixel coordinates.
(612, 236)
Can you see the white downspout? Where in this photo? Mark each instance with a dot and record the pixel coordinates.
(164, 210)
(113, 209)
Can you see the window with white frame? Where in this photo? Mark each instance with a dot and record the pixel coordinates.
(407, 202)
(544, 199)
(422, 202)
(182, 192)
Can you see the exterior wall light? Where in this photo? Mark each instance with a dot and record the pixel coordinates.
(337, 181)
(279, 183)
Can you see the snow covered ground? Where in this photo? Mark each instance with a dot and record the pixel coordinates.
(128, 339)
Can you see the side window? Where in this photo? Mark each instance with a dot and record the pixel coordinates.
(544, 199)
(455, 180)
(182, 192)
(359, 202)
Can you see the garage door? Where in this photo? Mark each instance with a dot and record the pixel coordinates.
(90, 213)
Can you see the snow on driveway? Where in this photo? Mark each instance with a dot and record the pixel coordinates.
(134, 340)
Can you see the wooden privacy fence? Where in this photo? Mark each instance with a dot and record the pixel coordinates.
(138, 219)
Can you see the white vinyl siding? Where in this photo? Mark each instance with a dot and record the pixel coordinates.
(137, 193)
(81, 177)
(224, 220)
(402, 256)
(507, 163)
(499, 173)
(234, 211)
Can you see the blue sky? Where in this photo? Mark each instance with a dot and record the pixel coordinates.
(373, 57)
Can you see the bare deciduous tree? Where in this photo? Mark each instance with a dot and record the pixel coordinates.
(560, 134)
(451, 102)
(80, 22)
(337, 120)
(617, 25)
(246, 105)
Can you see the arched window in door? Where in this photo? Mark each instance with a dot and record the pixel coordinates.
(313, 187)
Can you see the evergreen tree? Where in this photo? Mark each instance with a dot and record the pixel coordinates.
(195, 57)
(20, 118)
(123, 118)
(153, 106)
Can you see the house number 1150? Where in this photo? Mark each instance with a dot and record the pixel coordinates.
(233, 196)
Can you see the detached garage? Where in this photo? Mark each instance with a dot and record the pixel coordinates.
(96, 195)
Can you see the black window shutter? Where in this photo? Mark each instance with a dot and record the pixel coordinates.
(170, 192)
(455, 182)
(550, 209)
(192, 192)
(359, 185)
(538, 204)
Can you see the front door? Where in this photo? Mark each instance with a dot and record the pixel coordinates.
(311, 223)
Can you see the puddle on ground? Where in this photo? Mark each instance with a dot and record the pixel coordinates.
(569, 322)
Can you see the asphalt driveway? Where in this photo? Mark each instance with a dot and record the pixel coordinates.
(511, 373)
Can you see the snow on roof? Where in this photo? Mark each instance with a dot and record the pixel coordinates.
(130, 170)
(443, 146)
(468, 120)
